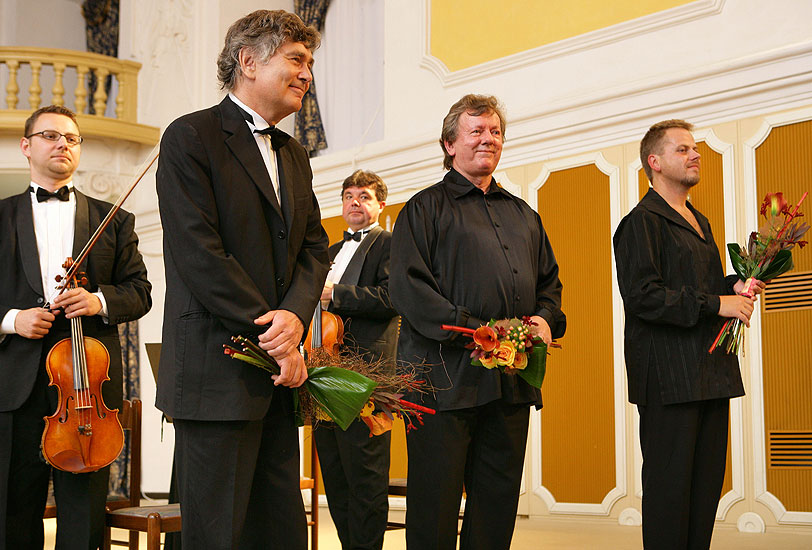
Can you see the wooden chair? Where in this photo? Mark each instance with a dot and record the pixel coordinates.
(157, 519)
(152, 519)
(397, 487)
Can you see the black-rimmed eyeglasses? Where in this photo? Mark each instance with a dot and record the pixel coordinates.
(52, 135)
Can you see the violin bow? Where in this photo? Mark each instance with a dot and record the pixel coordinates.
(71, 272)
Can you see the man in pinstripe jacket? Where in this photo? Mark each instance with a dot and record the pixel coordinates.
(676, 299)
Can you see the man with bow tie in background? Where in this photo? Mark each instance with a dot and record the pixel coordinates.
(244, 253)
(356, 466)
(39, 229)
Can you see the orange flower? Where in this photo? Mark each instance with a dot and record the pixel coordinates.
(488, 360)
(520, 362)
(377, 423)
(505, 353)
(486, 338)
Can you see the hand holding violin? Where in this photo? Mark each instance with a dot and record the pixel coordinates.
(34, 323)
(78, 302)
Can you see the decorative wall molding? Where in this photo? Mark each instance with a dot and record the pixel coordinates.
(753, 345)
(725, 149)
(586, 41)
(750, 522)
(631, 517)
(767, 82)
(620, 489)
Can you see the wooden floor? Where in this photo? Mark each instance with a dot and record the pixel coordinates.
(565, 534)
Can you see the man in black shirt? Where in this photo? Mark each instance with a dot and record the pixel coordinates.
(465, 251)
(676, 299)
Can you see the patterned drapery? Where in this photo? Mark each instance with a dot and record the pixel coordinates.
(101, 35)
(308, 129)
(119, 473)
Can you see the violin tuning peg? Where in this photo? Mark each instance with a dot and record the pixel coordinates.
(58, 279)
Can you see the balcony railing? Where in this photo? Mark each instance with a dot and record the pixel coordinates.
(33, 68)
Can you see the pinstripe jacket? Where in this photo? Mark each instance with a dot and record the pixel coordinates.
(670, 279)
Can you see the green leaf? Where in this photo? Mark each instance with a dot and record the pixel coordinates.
(782, 262)
(340, 393)
(536, 367)
(739, 265)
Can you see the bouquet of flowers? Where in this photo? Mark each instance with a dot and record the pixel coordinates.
(768, 255)
(341, 386)
(510, 346)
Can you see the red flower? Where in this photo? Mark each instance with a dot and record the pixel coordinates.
(775, 204)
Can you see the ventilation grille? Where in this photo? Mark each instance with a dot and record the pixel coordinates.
(789, 450)
(789, 292)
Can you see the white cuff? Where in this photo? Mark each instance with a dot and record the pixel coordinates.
(103, 312)
(7, 326)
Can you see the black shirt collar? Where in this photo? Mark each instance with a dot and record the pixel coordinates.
(459, 185)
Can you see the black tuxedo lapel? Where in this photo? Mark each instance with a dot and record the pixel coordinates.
(81, 227)
(28, 243)
(353, 271)
(244, 147)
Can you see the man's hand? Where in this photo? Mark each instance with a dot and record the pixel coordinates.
(542, 329)
(293, 370)
(33, 323)
(78, 302)
(740, 307)
(326, 294)
(283, 336)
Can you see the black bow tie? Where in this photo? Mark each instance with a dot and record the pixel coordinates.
(278, 137)
(62, 194)
(355, 236)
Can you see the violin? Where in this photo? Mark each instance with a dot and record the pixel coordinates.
(83, 435)
(326, 330)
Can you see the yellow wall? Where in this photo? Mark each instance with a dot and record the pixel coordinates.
(469, 32)
(783, 163)
(578, 420)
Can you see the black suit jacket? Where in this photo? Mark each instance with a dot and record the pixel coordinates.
(670, 279)
(231, 254)
(362, 301)
(114, 266)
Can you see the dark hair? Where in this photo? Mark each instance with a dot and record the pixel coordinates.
(262, 32)
(652, 141)
(56, 109)
(474, 105)
(364, 178)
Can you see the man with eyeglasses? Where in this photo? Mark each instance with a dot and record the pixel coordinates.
(39, 229)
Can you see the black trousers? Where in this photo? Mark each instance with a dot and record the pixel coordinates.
(355, 469)
(684, 453)
(238, 481)
(80, 498)
(481, 448)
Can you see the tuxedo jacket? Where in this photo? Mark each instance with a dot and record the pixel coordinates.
(232, 252)
(114, 267)
(362, 301)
